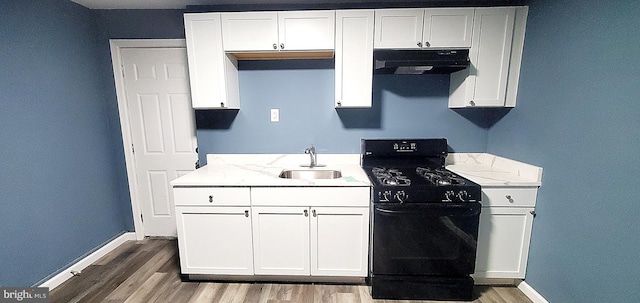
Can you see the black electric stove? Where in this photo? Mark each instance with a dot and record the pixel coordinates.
(425, 221)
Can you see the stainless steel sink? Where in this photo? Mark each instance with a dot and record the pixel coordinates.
(310, 174)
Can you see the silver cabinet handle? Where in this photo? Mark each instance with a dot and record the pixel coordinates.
(533, 212)
(427, 44)
(275, 46)
(281, 45)
(211, 199)
(419, 44)
(313, 212)
(472, 103)
(221, 104)
(339, 103)
(306, 213)
(509, 198)
(246, 213)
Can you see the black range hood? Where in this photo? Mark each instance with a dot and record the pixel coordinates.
(416, 62)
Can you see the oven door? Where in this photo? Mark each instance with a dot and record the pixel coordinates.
(425, 238)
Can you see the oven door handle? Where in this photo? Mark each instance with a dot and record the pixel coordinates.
(431, 212)
(392, 212)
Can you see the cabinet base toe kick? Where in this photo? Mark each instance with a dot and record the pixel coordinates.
(270, 278)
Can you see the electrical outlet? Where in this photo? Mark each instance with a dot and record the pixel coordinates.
(275, 115)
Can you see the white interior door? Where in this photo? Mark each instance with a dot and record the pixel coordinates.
(162, 128)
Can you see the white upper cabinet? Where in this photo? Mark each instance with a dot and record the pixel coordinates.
(495, 54)
(447, 28)
(310, 30)
(354, 58)
(250, 31)
(423, 28)
(278, 31)
(213, 74)
(398, 28)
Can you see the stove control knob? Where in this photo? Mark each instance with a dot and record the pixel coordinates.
(386, 196)
(463, 196)
(449, 196)
(401, 196)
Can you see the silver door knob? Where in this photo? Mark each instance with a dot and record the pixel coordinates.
(275, 46)
(419, 44)
(281, 45)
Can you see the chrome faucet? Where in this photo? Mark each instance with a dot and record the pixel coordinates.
(313, 157)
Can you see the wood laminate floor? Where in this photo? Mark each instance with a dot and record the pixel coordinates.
(148, 271)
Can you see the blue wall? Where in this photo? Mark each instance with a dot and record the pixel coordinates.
(578, 117)
(60, 188)
(403, 106)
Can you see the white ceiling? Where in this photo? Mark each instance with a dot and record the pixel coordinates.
(181, 4)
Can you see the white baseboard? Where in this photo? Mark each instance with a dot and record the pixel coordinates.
(83, 263)
(531, 293)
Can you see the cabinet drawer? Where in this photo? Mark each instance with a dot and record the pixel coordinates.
(310, 196)
(227, 196)
(515, 196)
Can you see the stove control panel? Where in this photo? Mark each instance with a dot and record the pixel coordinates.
(403, 196)
(405, 147)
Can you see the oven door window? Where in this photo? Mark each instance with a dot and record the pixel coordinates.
(425, 239)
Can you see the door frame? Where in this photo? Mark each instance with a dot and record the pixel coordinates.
(117, 45)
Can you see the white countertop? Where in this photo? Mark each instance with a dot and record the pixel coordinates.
(494, 171)
(263, 170)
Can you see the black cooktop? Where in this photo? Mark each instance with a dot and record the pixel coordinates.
(412, 171)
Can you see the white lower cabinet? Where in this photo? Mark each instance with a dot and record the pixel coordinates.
(504, 233)
(281, 240)
(339, 241)
(242, 231)
(215, 240)
(317, 241)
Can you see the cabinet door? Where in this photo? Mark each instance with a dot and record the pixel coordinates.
(490, 54)
(354, 58)
(484, 83)
(339, 241)
(281, 240)
(398, 28)
(306, 30)
(447, 28)
(213, 75)
(250, 31)
(215, 240)
(503, 242)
